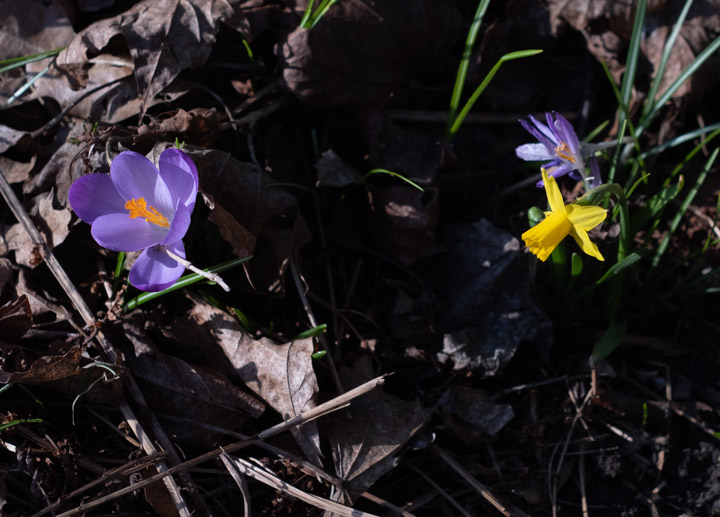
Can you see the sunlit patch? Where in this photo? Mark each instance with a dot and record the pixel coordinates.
(562, 151)
(138, 208)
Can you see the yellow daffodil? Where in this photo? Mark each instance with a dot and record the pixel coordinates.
(562, 220)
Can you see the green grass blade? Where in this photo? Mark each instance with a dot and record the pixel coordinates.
(616, 154)
(689, 71)
(20, 421)
(305, 21)
(609, 341)
(628, 80)
(654, 205)
(393, 174)
(465, 63)
(595, 132)
(683, 208)
(15, 62)
(690, 135)
(488, 78)
(622, 265)
(669, 44)
(183, 282)
(322, 9)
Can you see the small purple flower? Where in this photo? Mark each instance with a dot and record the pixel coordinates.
(560, 145)
(138, 207)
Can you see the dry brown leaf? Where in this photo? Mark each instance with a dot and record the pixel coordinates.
(163, 37)
(254, 217)
(201, 126)
(14, 171)
(29, 29)
(45, 369)
(52, 222)
(6, 272)
(474, 416)
(15, 317)
(364, 447)
(282, 374)
(175, 387)
(404, 221)
(484, 283)
(333, 171)
(10, 137)
(366, 51)
(607, 27)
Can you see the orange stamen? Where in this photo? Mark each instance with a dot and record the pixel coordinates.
(562, 152)
(139, 208)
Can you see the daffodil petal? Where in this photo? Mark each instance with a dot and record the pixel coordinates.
(585, 217)
(583, 240)
(557, 204)
(542, 238)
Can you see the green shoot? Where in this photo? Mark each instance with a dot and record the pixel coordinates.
(15, 62)
(313, 332)
(183, 282)
(465, 62)
(310, 18)
(454, 125)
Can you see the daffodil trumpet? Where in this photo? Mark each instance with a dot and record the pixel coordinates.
(563, 220)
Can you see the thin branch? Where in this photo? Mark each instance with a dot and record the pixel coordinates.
(307, 416)
(264, 476)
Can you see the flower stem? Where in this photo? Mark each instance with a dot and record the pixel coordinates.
(213, 277)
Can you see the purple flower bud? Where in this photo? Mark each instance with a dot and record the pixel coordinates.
(141, 207)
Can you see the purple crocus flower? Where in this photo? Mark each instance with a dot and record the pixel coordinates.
(560, 145)
(141, 207)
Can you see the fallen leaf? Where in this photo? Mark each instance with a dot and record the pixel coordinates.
(404, 221)
(6, 272)
(416, 155)
(366, 51)
(26, 30)
(280, 373)
(201, 126)
(607, 27)
(177, 388)
(15, 171)
(365, 447)
(333, 171)
(486, 311)
(164, 37)
(15, 316)
(43, 370)
(468, 405)
(253, 216)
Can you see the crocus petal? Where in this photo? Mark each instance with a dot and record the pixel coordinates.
(533, 152)
(555, 199)
(585, 217)
(180, 175)
(120, 233)
(588, 246)
(542, 238)
(539, 136)
(134, 177)
(565, 129)
(155, 270)
(94, 195)
(545, 130)
(179, 226)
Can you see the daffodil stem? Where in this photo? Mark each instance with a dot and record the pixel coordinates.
(213, 277)
(616, 284)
